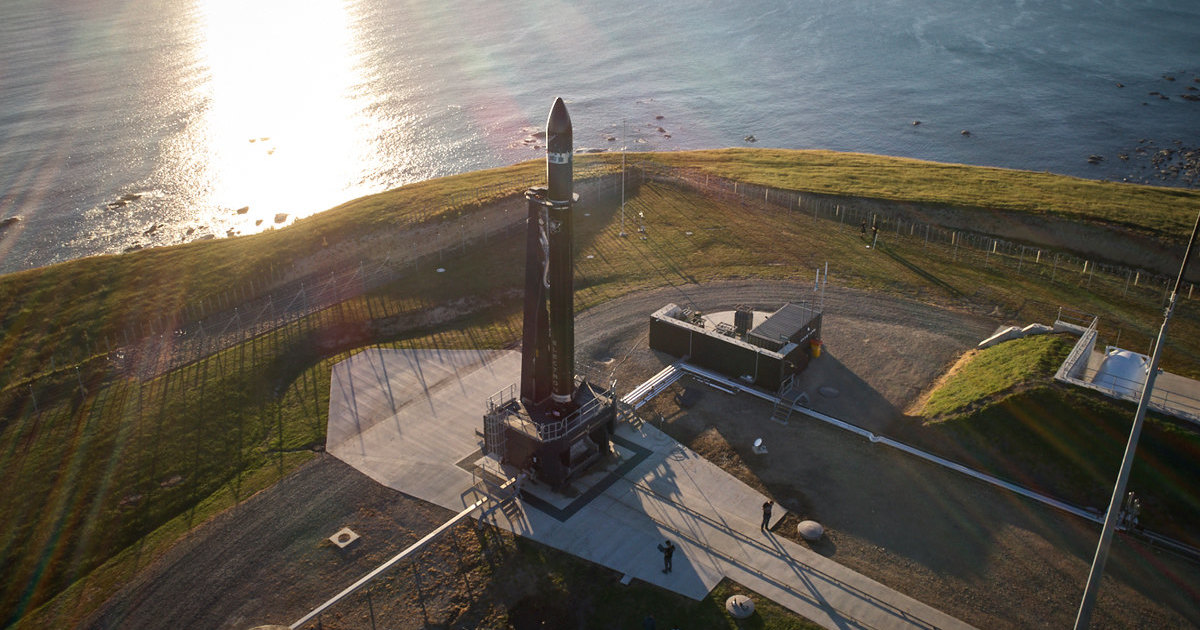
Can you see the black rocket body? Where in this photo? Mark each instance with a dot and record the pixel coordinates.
(548, 364)
(559, 175)
(562, 428)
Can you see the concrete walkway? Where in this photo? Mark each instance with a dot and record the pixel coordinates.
(409, 419)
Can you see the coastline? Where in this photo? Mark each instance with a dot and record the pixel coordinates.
(867, 178)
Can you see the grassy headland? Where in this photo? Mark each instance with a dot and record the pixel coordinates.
(104, 476)
(1157, 211)
(71, 308)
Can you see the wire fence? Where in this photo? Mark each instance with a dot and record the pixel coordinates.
(892, 222)
(425, 241)
(427, 238)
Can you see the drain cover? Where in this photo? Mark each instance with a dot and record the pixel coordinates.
(343, 538)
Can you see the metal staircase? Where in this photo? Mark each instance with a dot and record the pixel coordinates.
(789, 397)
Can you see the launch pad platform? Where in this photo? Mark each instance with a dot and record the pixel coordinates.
(409, 419)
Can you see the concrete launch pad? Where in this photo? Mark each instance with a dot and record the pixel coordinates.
(409, 419)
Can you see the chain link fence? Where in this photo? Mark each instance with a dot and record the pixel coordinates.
(282, 295)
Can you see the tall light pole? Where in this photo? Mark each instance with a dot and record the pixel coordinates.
(1114, 505)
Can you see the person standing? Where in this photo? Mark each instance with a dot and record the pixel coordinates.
(766, 522)
(667, 550)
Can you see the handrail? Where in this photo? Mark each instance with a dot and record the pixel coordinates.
(548, 430)
(1086, 340)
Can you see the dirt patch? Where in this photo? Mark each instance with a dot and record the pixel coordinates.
(711, 445)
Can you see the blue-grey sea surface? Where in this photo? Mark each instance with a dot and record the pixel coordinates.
(132, 123)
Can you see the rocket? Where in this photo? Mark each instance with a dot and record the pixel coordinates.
(559, 178)
(548, 353)
(573, 424)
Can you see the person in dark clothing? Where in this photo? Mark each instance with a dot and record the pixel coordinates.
(667, 551)
(766, 523)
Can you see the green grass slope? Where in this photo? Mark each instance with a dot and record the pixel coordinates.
(998, 370)
(1003, 412)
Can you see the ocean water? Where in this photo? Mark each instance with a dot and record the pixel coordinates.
(130, 123)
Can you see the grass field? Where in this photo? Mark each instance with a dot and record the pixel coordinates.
(103, 473)
(1152, 210)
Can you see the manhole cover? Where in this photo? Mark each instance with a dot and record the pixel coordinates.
(343, 538)
(828, 392)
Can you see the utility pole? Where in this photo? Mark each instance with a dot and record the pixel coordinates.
(1090, 591)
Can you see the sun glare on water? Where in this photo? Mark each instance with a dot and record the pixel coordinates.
(283, 131)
